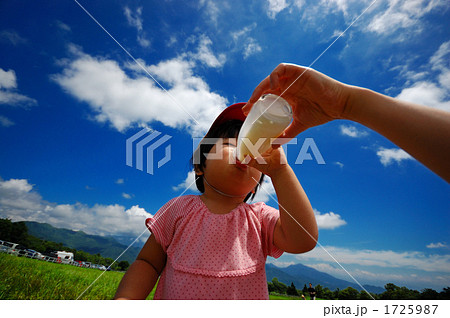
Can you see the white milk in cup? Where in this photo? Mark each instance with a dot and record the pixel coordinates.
(267, 119)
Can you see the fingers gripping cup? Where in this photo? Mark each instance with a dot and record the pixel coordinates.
(267, 119)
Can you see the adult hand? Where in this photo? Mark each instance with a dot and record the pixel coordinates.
(315, 98)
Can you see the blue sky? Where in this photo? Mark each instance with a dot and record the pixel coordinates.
(70, 97)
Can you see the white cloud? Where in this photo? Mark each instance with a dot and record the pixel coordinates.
(62, 26)
(246, 43)
(313, 14)
(403, 15)
(413, 269)
(339, 164)
(428, 84)
(338, 5)
(211, 10)
(279, 263)
(353, 132)
(14, 186)
(380, 278)
(12, 37)
(237, 35)
(7, 79)
(8, 90)
(143, 41)
(126, 195)
(135, 20)
(427, 93)
(205, 55)
(299, 3)
(441, 58)
(437, 245)
(120, 181)
(188, 183)
(275, 7)
(5, 122)
(381, 258)
(396, 19)
(328, 221)
(251, 48)
(20, 202)
(125, 101)
(388, 156)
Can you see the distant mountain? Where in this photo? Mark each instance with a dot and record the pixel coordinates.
(92, 244)
(300, 275)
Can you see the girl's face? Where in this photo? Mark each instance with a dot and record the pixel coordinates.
(223, 173)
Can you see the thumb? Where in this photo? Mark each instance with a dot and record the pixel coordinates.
(247, 107)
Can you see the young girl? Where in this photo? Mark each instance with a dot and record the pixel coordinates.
(215, 245)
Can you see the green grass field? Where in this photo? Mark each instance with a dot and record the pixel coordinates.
(31, 279)
(286, 297)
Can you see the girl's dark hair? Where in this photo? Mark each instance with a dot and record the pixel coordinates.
(228, 129)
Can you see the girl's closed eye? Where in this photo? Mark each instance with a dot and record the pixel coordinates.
(229, 143)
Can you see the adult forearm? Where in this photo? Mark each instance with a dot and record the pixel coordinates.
(423, 132)
(138, 281)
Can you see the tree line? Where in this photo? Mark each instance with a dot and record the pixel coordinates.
(17, 232)
(392, 292)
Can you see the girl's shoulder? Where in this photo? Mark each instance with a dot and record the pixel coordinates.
(180, 205)
(260, 208)
(173, 211)
(259, 205)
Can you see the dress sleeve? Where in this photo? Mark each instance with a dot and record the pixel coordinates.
(162, 225)
(269, 217)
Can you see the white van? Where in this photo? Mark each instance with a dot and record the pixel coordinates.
(64, 257)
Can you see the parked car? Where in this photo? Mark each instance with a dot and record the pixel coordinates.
(12, 247)
(34, 254)
(21, 250)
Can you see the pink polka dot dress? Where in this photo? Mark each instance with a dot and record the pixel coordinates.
(214, 256)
